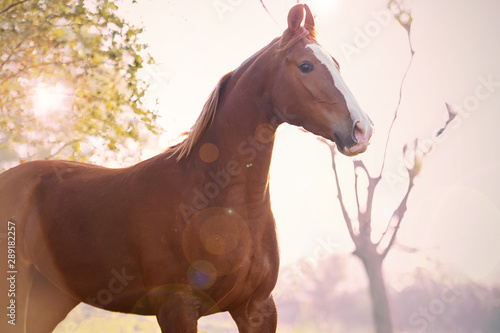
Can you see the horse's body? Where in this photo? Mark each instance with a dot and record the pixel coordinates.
(184, 234)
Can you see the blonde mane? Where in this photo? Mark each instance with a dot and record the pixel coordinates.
(204, 121)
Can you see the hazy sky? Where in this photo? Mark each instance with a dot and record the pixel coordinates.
(454, 211)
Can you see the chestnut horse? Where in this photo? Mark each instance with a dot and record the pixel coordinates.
(186, 233)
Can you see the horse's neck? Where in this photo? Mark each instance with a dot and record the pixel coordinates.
(243, 132)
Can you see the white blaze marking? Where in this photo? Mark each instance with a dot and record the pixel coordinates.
(352, 104)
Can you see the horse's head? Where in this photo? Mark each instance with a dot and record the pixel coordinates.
(309, 91)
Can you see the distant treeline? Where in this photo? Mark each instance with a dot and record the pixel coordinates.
(432, 302)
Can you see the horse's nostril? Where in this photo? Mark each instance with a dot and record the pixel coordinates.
(358, 132)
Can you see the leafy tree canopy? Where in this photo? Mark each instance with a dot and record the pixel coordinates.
(86, 57)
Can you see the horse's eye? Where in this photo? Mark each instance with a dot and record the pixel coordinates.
(306, 67)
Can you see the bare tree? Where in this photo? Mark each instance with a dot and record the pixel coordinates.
(372, 253)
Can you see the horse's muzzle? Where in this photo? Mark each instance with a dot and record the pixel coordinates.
(361, 135)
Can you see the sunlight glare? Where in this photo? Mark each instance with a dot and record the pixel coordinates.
(49, 99)
(325, 7)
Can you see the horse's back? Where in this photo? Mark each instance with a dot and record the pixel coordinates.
(15, 185)
(17, 188)
(19, 184)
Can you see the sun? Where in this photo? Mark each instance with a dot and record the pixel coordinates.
(325, 7)
(49, 99)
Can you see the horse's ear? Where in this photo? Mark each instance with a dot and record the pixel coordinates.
(309, 23)
(295, 17)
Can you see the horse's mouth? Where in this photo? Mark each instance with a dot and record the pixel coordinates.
(355, 150)
(360, 141)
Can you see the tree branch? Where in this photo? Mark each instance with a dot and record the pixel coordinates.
(398, 215)
(407, 27)
(356, 188)
(67, 144)
(347, 218)
(11, 54)
(372, 185)
(11, 6)
(451, 116)
(269, 13)
(397, 108)
(413, 172)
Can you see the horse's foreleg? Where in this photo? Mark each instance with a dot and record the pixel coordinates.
(178, 314)
(256, 317)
